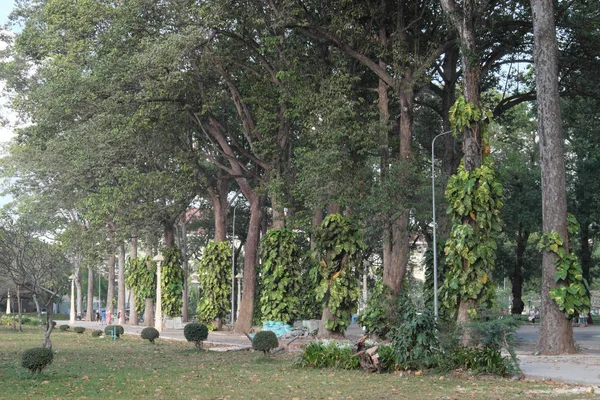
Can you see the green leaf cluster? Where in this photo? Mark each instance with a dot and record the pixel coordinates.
(570, 295)
(474, 199)
(140, 275)
(280, 276)
(172, 281)
(339, 247)
(215, 281)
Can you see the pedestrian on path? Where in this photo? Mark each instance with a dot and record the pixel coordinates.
(103, 317)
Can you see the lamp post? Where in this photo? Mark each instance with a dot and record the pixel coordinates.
(158, 312)
(233, 267)
(435, 273)
(72, 313)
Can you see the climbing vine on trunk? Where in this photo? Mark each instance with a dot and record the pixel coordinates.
(339, 248)
(475, 200)
(570, 295)
(172, 281)
(140, 275)
(215, 281)
(280, 276)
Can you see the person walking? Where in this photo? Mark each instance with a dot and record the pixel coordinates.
(103, 317)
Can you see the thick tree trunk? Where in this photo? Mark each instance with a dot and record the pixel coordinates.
(325, 333)
(317, 219)
(110, 293)
(555, 334)
(246, 310)
(78, 293)
(517, 275)
(220, 211)
(121, 285)
(89, 315)
(133, 317)
(278, 213)
(169, 234)
(586, 259)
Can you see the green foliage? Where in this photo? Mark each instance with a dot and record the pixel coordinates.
(265, 341)
(13, 319)
(140, 274)
(328, 354)
(96, 333)
(414, 335)
(463, 114)
(108, 330)
(196, 333)
(215, 281)
(570, 295)
(79, 329)
(280, 276)
(172, 281)
(150, 333)
(474, 199)
(375, 316)
(484, 360)
(63, 327)
(339, 248)
(36, 359)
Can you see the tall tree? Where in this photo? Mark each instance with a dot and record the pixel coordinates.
(556, 333)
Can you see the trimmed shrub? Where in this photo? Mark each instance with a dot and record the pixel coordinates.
(79, 329)
(150, 333)
(109, 330)
(196, 333)
(63, 327)
(265, 341)
(97, 333)
(36, 359)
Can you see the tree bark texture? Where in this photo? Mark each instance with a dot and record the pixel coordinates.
(110, 293)
(89, 315)
(555, 334)
(121, 285)
(133, 317)
(186, 272)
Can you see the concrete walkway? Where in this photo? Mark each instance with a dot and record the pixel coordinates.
(582, 368)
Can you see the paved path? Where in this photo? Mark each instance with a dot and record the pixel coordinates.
(581, 368)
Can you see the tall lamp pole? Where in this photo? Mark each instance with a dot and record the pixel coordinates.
(233, 267)
(435, 268)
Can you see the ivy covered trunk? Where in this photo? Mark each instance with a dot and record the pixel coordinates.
(555, 334)
(339, 248)
(215, 281)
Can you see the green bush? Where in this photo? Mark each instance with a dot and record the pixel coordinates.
(329, 354)
(196, 333)
(265, 341)
(63, 327)
(96, 333)
(108, 331)
(79, 329)
(36, 359)
(150, 333)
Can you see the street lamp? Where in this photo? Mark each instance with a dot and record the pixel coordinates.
(435, 273)
(158, 312)
(233, 266)
(72, 313)
(239, 293)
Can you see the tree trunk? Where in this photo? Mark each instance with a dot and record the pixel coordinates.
(78, 293)
(317, 219)
(246, 310)
(220, 211)
(133, 317)
(555, 334)
(586, 260)
(19, 308)
(47, 342)
(186, 272)
(121, 285)
(90, 295)
(169, 234)
(325, 333)
(517, 275)
(110, 293)
(278, 213)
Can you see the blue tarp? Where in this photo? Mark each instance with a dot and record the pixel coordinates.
(280, 328)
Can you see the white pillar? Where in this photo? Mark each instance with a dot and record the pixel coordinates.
(158, 309)
(72, 313)
(8, 303)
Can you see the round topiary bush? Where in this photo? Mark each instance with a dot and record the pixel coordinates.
(97, 333)
(63, 327)
(150, 333)
(36, 359)
(109, 328)
(196, 333)
(79, 329)
(265, 341)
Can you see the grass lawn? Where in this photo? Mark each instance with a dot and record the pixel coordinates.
(130, 368)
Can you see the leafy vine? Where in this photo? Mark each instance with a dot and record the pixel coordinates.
(570, 294)
(340, 248)
(215, 281)
(172, 281)
(140, 275)
(280, 276)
